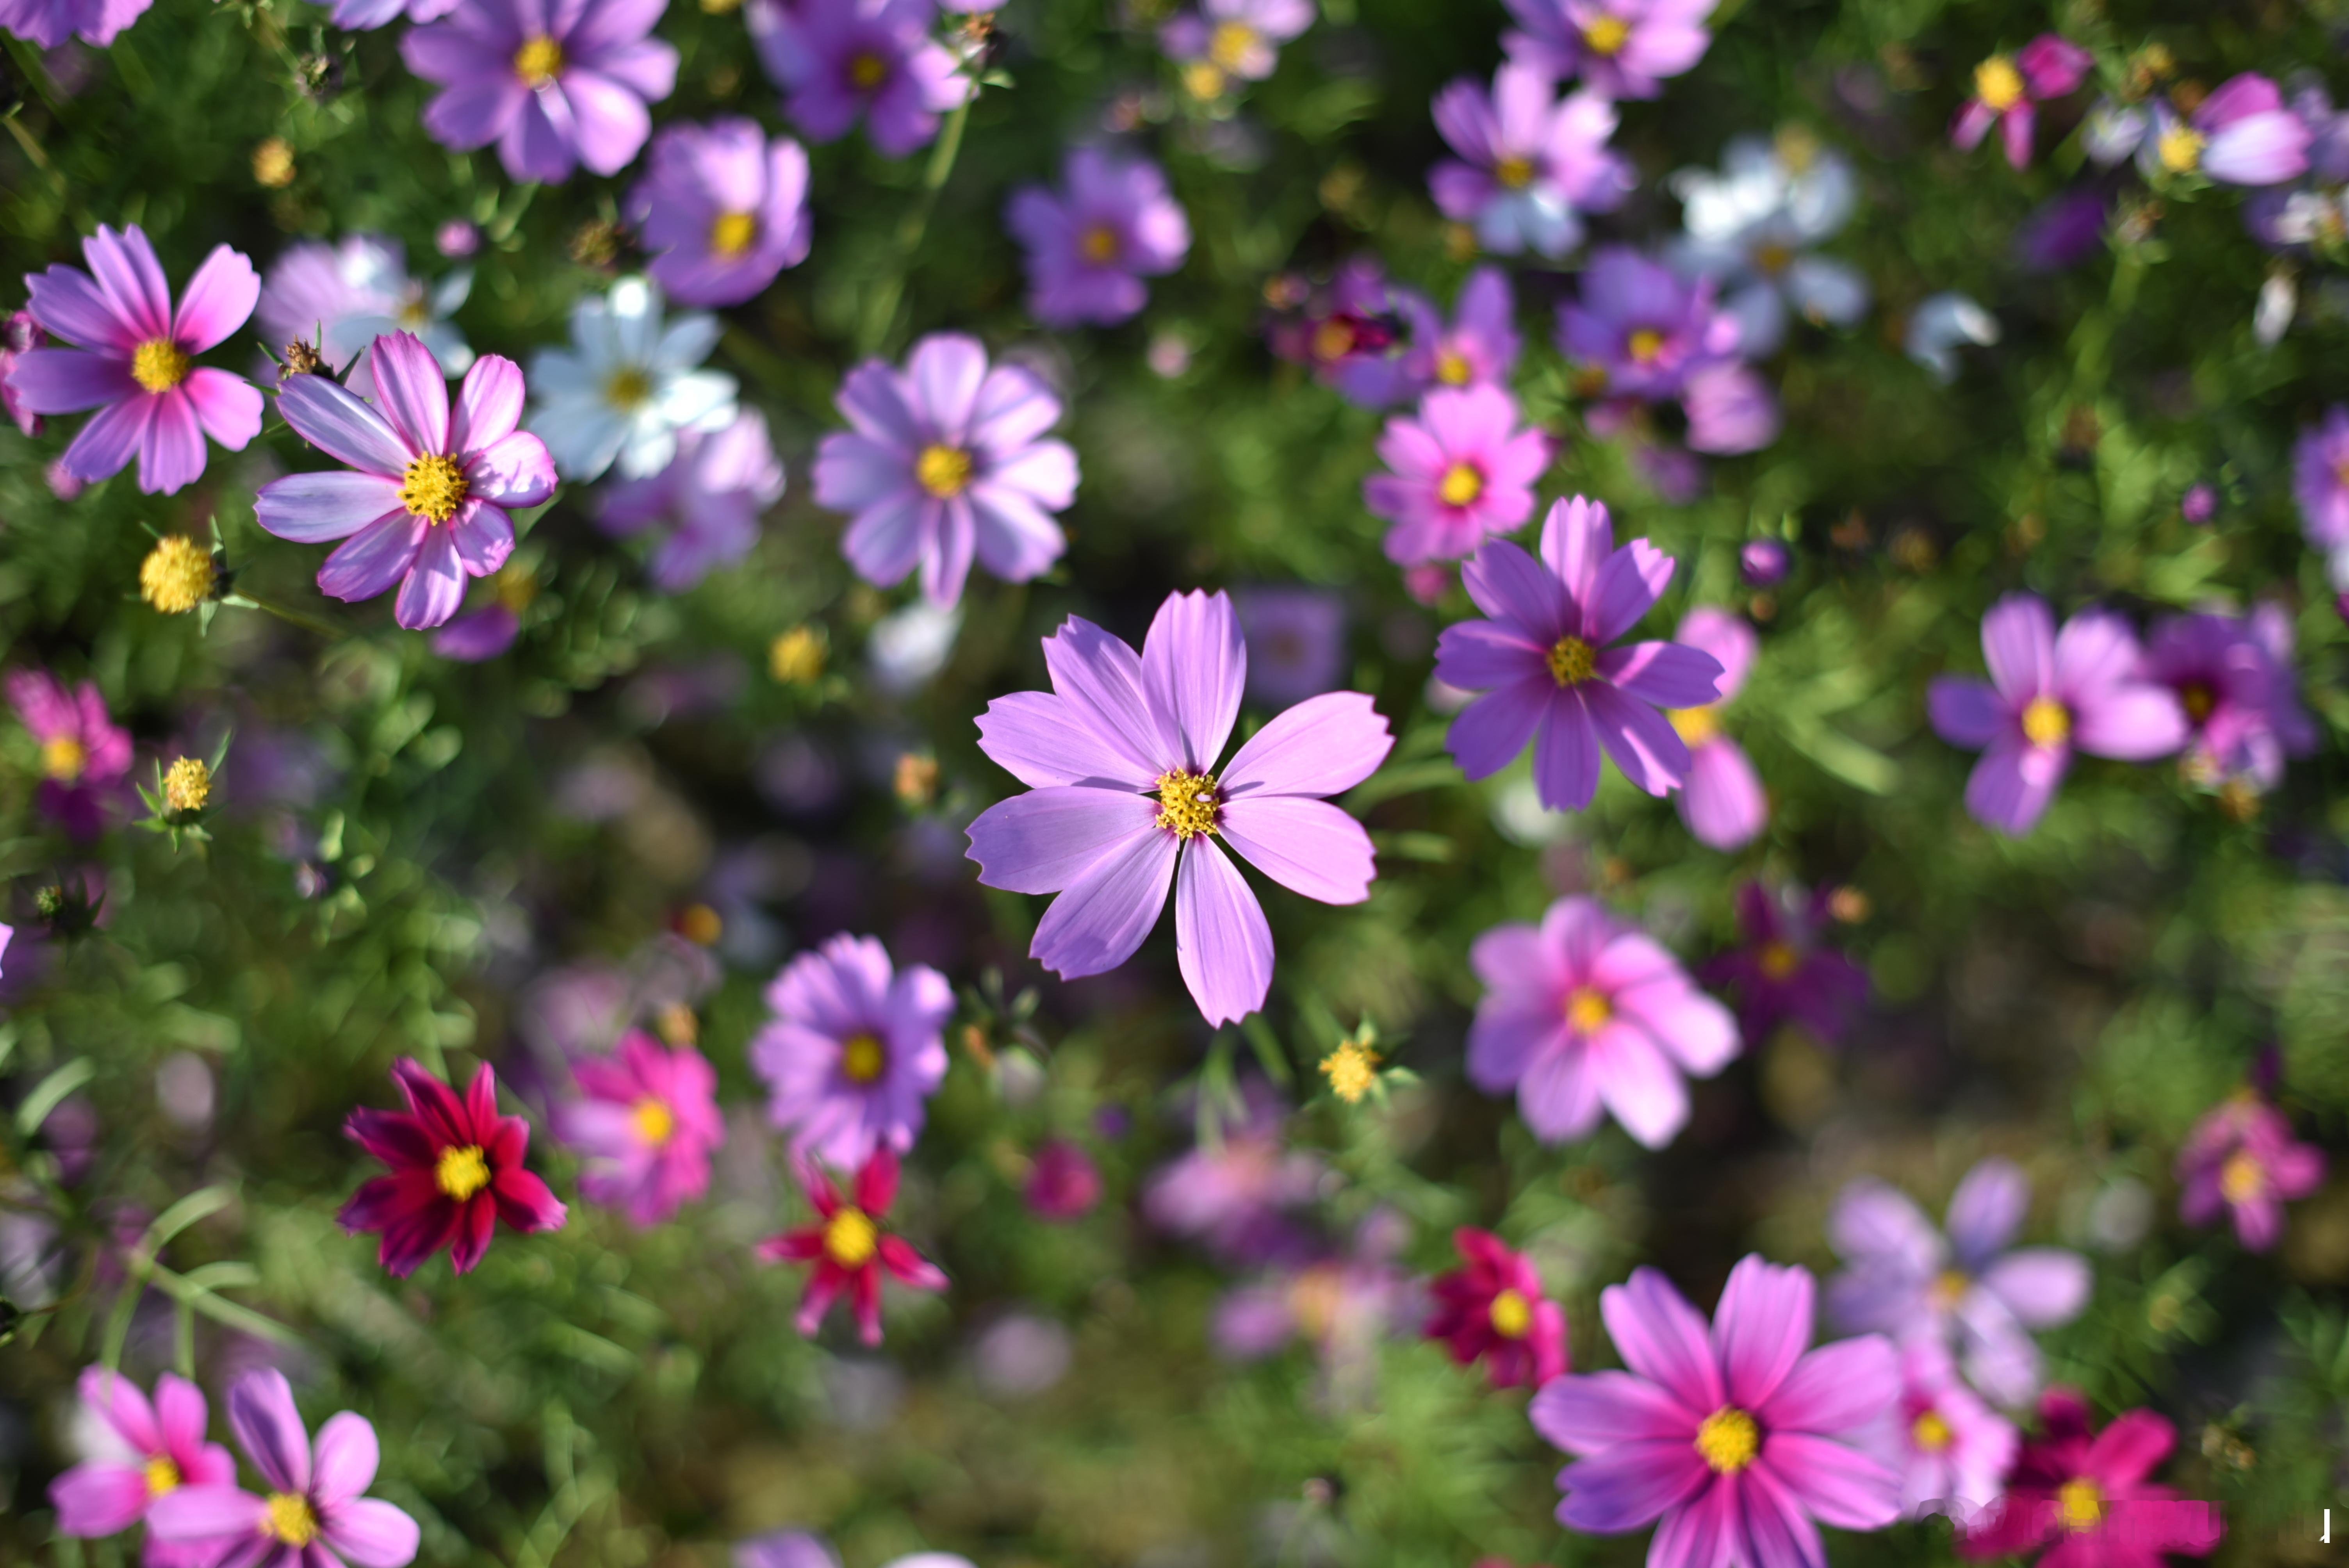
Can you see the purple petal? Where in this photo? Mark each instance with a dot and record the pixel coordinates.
(1514, 589)
(125, 266)
(1194, 663)
(1628, 582)
(1222, 944)
(372, 560)
(1986, 1211)
(1966, 712)
(1100, 678)
(217, 301)
(269, 1429)
(1761, 1327)
(109, 441)
(371, 1533)
(1642, 742)
(488, 406)
(2018, 639)
(944, 375)
(340, 425)
(1307, 846)
(412, 391)
(172, 449)
(67, 380)
(1559, 1093)
(1322, 746)
(1835, 1484)
(1778, 1533)
(1875, 1223)
(1566, 754)
(1041, 740)
(1667, 675)
(1590, 1413)
(2010, 787)
(1576, 539)
(1631, 1484)
(311, 509)
(2042, 1286)
(70, 305)
(1837, 1387)
(1097, 923)
(2131, 724)
(1478, 655)
(1048, 839)
(435, 587)
(1662, 1338)
(514, 470)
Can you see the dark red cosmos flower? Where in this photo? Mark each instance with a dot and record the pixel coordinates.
(849, 1248)
(1494, 1309)
(2085, 1493)
(456, 1170)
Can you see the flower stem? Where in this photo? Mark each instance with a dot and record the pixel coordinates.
(881, 309)
(244, 600)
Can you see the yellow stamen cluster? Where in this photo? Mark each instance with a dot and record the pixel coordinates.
(1779, 960)
(2242, 1178)
(851, 1238)
(1452, 367)
(867, 70)
(1587, 1010)
(1572, 661)
(2197, 699)
(433, 487)
(1514, 174)
(943, 471)
(162, 1476)
(1949, 1288)
(1099, 246)
(539, 61)
(700, 924)
(731, 233)
(187, 786)
(1351, 1070)
(862, 1057)
(1607, 36)
(655, 1122)
(288, 1517)
(2046, 722)
(1772, 258)
(177, 575)
(1512, 1315)
(2079, 1503)
(2180, 148)
(1930, 1432)
(462, 1171)
(63, 757)
(1333, 339)
(1203, 81)
(796, 657)
(1231, 44)
(1729, 1439)
(1997, 84)
(1187, 803)
(1645, 345)
(1695, 724)
(628, 388)
(159, 364)
(273, 163)
(1461, 485)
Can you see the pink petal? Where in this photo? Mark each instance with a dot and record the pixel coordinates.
(370, 561)
(269, 1429)
(1629, 1485)
(1194, 663)
(124, 1407)
(340, 425)
(412, 391)
(488, 406)
(2018, 640)
(126, 268)
(1778, 1533)
(514, 470)
(217, 301)
(1041, 740)
(1322, 746)
(1307, 846)
(1100, 678)
(1222, 944)
(204, 1512)
(1048, 839)
(1836, 1389)
(481, 535)
(346, 1456)
(71, 306)
(1591, 1412)
(311, 509)
(1101, 918)
(1835, 1484)
(1662, 1338)
(100, 1498)
(1639, 1084)
(109, 441)
(371, 1533)
(172, 447)
(179, 1415)
(1722, 799)
(1761, 1327)
(227, 405)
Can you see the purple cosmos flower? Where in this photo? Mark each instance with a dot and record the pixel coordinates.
(1295, 642)
(1954, 1449)
(1232, 40)
(50, 22)
(1641, 329)
(1090, 247)
(137, 363)
(84, 755)
(1461, 470)
(1582, 1012)
(1729, 409)
(2321, 484)
(1234, 1191)
(853, 1049)
(798, 1549)
(2007, 88)
(478, 635)
(2233, 680)
(554, 85)
(2047, 694)
(1784, 972)
(1736, 1439)
(1341, 1303)
(2064, 230)
(341, 298)
(1119, 758)
(2085, 1491)
(645, 1127)
(18, 336)
(1618, 48)
(2241, 1158)
(2240, 135)
(843, 58)
(426, 507)
(1906, 1280)
(1351, 335)
(1546, 670)
(361, 15)
(723, 209)
(710, 497)
(143, 1453)
(1532, 165)
(1479, 348)
(943, 462)
(315, 1515)
(1722, 799)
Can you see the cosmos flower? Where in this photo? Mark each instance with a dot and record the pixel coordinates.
(1090, 246)
(849, 1248)
(1940, 326)
(705, 504)
(1340, 1303)
(1223, 41)
(1233, 1191)
(2065, 230)
(1119, 758)
(1352, 333)
(723, 210)
(317, 1514)
(341, 298)
(628, 385)
(142, 1452)
(360, 16)
(1493, 1310)
(456, 1170)
(1754, 228)
(1479, 348)
(1784, 972)
(1547, 673)
(1954, 1449)
(2049, 695)
(1296, 641)
(2085, 1491)
(852, 1050)
(849, 59)
(1459, 470)
(1638, 329)
(2320, 485)
(1582, 1012)
(2241, 134)
(644, 1125)
(85, 755)
(1618, 48)
(1529, 164)
(136, 360)
(49, 23)
(1720, 800)
(2008, 87)
(2233, 679)
(944, 460)
(427, 505)
(2241, 1160)
(1736, 1440)
(1764, 562)
(554, 87)
(798, 1549)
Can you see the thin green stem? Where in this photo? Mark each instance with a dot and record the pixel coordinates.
(888, 294)
(244, 600)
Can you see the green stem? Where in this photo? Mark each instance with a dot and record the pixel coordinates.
(881, 309)
(244, 600)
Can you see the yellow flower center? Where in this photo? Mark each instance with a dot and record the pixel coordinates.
(796, 657)
(1729, 1439)
(288, 1517)
(2080, 1503)
(63, 757)
(1351, 1070)
(1997, 84)
(187, 785)
(1100, 244)
(2046, 722)
(461, 1173)
(2179, 148)
(700, 924)
(177, 575)
(2197, 700)
(1696, 724)
(628, 388)
(1202, 80)
(538, 61)
(1461, 485)
(1645, 344)
(433, 487)
(159, 364)
(867, 70)
(1231, 44)
(1607, 36)
(654, 1122)
(1572, 661)
(2241, 1178)
(850, 1238)
(1511, 1315)
(1587, 1010)
(1949, 1289)
(731, 233)
(943, 471)
(1187, 803)
(1333, 339)
(1779, 960)
(162, 1476)
(415, 315)
(1772, 258)
(1930, 1432)
(1517, 173)
(861, 1057)
(1452, 368)
(1315, 1299)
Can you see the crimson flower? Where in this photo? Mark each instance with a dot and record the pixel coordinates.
(2084, 1492)
(1494, 1309)
(848, 1246)
(456, 1170)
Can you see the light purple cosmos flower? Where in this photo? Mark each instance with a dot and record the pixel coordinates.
(1546, 670)
(853, 1051)
(1090, 244)
(1341, 1304)
(136, 363)
(1756, 226)
(555, 83)
(2233, 679)
(1461, 470)
(1736, 1440)
(2241, 1160)
(943, 462)
(50, 22)
(840, 59)
(710, 498)
(1953, 1449)
(85, 755)
(140, 1452)
(1352, 333)
(1784, 972)
(1480, 346)
(1582, 1012)
(2321, 484)
(1119, 758)
(1223, 41)
(341, 298)
(723, 209)
(1618, 48)
(1530, 164)
(644, 1126)
(315, 1515)
(1295, 642)
(1721, 799)
(1233, 1193)
(1729, 409)
(1971, 1288)
(2240, 135)
(1639, 328)
(362, 15)
(426, 508)
(2006, 90)
(2046, 696)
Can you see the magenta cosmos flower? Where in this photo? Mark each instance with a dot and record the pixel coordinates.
(2047, 696)
(723, 210)
(456, 1170)
(1459, 469)
(426, 508)
(2241, 1160)
(2007, 89)
(1641, 330)
(1120, 762)
(2321, 484)
(85, 755)
(1064, 1183)
(854, 1050)
(1493, 1310)
(2242, 134)
(849, 1248)
(50, 22)
(1722, 799)
(143, 1453)
(1583, 1012)
(1478, 347)
(1529, 164)
(645, 1124)
(705, 504)
(2233, 680)
(2086, 1491)
(1222, 41)
(317, 1514)
(555, 83)
(839, 59)
(1736, 1440)
(1090, 246)
(1784, 971)
(1954, 1449)
(1618, 48)
(944, 460)
(1546, 670)
(136, 363)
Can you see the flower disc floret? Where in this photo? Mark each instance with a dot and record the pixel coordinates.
(462, 1171)
(1511, 1315)
(177, 575)
(1572, 661)
(850, 1238)
(187, 786)
(162, 1476)
(1729, 1439)
(159, 365)
(1188, 804)
(433, 487)
(1997, 83)
(539, 61)
(731, 233)
(288, 1517)
(943, 471)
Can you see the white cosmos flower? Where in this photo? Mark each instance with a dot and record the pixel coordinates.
(1940, 326)
(1755, 225)
(628, 385)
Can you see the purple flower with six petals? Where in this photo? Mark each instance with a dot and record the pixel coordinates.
(724, 209)
(1529, 164)
(1090, 246)
(853, 1052)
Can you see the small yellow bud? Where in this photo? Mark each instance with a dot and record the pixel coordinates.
(796, 658)
(273, 163)
(917, 779)
(187, 786)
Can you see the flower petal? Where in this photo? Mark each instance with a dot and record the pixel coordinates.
(371, 1533)
(370, 561)
(1048, 839)
(1222, 944)
(340, 425)
(1322, 746)
(346, 1454)
(217, 301)
(1662, 1338)
(311, 509)
(1761, 1327)
(1194, 663)
(1041, 740)
(1307, 846)
(488, 406)
(1591, 1412)
(1101, 918)
(269, 1429)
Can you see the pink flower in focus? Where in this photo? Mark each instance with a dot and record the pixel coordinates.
(2241, 1160)
(1461, 470)
(2086, 1491)
(147, 1452)
(645, 1127)
(1493, 1310)
(456, 1170)
(2006, 89)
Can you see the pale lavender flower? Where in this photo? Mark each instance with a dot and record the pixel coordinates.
(1295, 642)
(1953, 1449)
(839, 61)
(723, 209)
(1729, 409)
(1720, 800)
(854, 1050)
(1090, 244)
(1639, 329)
(1530, 165)
(1618, 48)
(706, 502)
(1480, 345)
(2240, 135)
(1755, 227)
(340, 298)
(1223, 41)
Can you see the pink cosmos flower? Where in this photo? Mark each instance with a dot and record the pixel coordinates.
(146, 1452)
(1493, 1310)
(1341, 1303)
(340, 298)
(2321, 483)
(1618, 48)
(456, 1170)
(2007, 88)
(137, 363)
(1722, 799)
(2242, 134)
(1640, 330)
(1546, 670)
(723, 209)
(849, 1248)
(1350, 334)
(554, 85)
(1227, 40)
(645, 1126)
(1529, 164)
(1583, 1012)
(842, 59)
(707, 501)
(1063, 1182)
(2085, 1491)
(1784, 971)
(1233, 1193)
(2046, 696)
(1461, 470)
(50, 22)
(1120, 762)
(317, 1514)
(1090, 244)
(85, 755)
(944, 460)
(426, 508)
(2241, 1160)
(853, 1049)
(1736, 1440)
(2233, 679)
(1731, 409)
(362, 15)
(1480, 345)
(1954, 1449)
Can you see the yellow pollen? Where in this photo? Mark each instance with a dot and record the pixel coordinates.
(287, 1517)
(1587, 1010)
(943, 471)
(461, 1173)
(654, 1122)
(1607, 36)
(1452, 368)
(850, 1238)
(159, 364)
(538, 61)
(1517, 173)
(273, 163)
(1950, 1289)
(187, 785)
(1187, 803)
(700, 924)
(1231, 45)
(63, 757)
(2197, 700)
(1572, 661)
(2046, 722)
(1696, 724)
(433, 487)
(177, 574)
(1315, 1299)
(1351, 1070)
(1203, 81)
(1461, 485)
(162, 1476)
(1774, 258)
(2080, 1503)
(1729, 1439)
(866, 71)
(1511, 1315)
(1779, 960)
(2241, 1178)
(861, 1057)
(1100, 244)
(1997, 84)
(1333, 339)
(415, 316)
(796, 657)
(2180, 148)
(628, 388)
(1644, 345)
(731, 233)
(1930, 1432)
